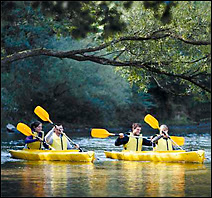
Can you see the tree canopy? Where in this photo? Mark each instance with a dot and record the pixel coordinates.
(176, 49)
(163, 44)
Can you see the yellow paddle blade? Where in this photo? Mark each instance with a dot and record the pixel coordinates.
(23, 128)
(179, 140)
(100, 133)
(42, 113)
(149, 119)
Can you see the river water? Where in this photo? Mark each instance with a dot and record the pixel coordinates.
(107, 177)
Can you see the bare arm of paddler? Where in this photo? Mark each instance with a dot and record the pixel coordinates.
(49, 137)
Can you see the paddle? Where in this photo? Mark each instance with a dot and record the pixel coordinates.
(23, 128)
(149, 119)
(103, 133)
(43, 114)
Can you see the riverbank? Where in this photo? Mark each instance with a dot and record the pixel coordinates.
(174, 128)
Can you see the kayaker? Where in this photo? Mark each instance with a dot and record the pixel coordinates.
(133, 141)
(162, 142)
(57, 139)
(33, 142)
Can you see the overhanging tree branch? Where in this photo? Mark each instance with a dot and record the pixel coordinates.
(83, 55)
(159, 34)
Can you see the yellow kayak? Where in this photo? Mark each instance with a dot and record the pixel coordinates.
(53, 155)
(159, 156)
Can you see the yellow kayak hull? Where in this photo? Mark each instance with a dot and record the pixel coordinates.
(159, 156)
(53, 155)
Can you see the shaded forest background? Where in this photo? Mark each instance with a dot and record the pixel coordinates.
(78, 94)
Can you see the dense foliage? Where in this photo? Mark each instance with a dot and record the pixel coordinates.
(73, 93)
(171, 56)
(163, 68)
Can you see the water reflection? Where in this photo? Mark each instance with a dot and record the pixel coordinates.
(32, 180)
(149, 179)
(108, 178)
(57, 179)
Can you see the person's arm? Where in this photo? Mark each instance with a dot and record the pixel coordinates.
(146, 142)
(29, 139)
(156, 138)
(69, 146)
(119, 141)
(48, 138)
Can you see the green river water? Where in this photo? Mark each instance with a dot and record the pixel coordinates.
(106, 177)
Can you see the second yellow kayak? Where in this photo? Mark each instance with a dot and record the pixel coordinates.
(159, 156)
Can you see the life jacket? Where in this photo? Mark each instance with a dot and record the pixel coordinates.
(37, 144)
(59, 143)
(163, 144)
(134, 143)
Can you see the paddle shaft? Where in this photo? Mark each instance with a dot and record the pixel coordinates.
(113, 134)
(174, 142)
(40, 139)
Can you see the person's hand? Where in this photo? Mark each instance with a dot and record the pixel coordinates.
(121, 135)
(165, 134)
(39, 139)
(77, 146)
(46, 146)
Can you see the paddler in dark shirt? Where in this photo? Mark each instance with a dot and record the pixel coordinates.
(38, 141)
(133, 141)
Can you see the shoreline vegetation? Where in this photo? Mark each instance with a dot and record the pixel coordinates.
(172, 123)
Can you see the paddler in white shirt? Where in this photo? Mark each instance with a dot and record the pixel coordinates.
(57, 140)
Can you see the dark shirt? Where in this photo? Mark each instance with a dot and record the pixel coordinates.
(119, 141)
(29, 139)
